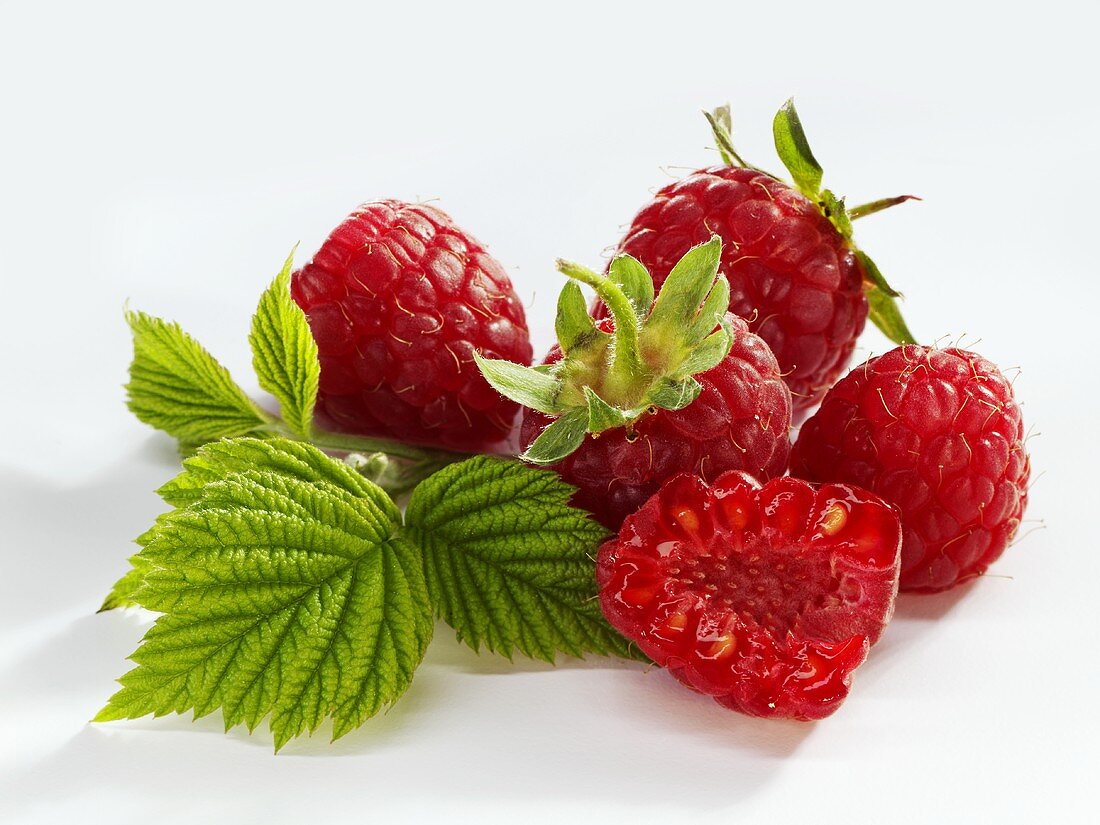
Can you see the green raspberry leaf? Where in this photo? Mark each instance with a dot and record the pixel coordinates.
(177, 386)
(214, 462)
(794, 150)
(292, 458)
(284, 353)
(509, 563)
(122, 594)
(284, 596)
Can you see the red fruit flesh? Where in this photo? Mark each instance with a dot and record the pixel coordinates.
(740, 421)
(791, 273)
(398, 299)
(939, 434)
(766, 598)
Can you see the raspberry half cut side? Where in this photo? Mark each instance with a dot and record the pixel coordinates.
(766, 598)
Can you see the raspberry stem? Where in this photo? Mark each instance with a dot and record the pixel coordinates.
(364, 444)
(392, 465)
(395, 476)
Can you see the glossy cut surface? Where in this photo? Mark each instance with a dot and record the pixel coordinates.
(765, 598)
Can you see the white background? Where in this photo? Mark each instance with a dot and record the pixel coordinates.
(170, 155)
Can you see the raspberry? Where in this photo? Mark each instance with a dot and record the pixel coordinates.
(740, 421)
(399, 299)
(765, 598)
(663, 386)
(939, 434)
(791, 274)
(793, 270)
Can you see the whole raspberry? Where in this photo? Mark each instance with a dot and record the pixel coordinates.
(399, 299)
(766, 598)
(740, 421)
(788, 255)
(652, 394)
(939, 434)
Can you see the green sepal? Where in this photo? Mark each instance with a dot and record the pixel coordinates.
(874, 275)
(713, 311)
(710, 352)
(722, 118)
(626, 359)
(687, 286)
(648, 363)
(561, 437)
(882, 306)
(634, 281)
(882, 310)
(574, 326)
(601, 415)
(675, 395)
(721, 125)
(834, 209)
(524, 385)
(865, 209)
(794, 150)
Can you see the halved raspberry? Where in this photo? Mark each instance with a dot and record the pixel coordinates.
(766, 598)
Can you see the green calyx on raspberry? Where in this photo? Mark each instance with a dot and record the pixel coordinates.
(794, 150)
(608, 379)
